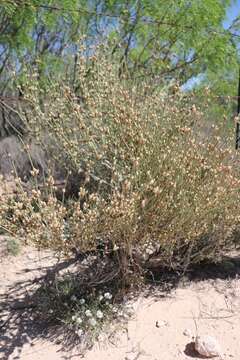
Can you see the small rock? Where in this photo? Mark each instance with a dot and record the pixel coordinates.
(31, 256)
(161, 323)
(132, 356)
(207, 346)
(187, 333)
(129, 310)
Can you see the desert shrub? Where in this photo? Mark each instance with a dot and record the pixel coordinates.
(150, 182)
(13, 246)
(81, 124)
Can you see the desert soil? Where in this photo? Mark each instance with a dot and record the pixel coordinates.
(162, 327)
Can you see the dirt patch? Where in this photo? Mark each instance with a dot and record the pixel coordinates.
(163, 326)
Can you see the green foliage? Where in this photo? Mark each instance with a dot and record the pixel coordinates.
(13, 246)
(159, 39)
(84, 311)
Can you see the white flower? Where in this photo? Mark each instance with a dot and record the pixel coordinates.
(78, 320)
(73, 298)
(92, 322)
(79, 332)
(100, 297)
(74, 317)
(108, 296)
(99, 314)
(82, 301)
(88, 313)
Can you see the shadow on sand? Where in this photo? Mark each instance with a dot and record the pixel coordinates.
(21, 323)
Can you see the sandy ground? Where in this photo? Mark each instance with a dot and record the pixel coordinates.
(161, 328)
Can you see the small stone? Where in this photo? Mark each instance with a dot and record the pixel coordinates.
(132, 356)
(31, 256)
(207, 346)
(187, 333)
(161, 323)
(129, 310)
